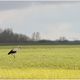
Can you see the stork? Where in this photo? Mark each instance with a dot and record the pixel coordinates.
(13, 52)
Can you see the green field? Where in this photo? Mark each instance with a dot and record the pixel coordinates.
(41, 61)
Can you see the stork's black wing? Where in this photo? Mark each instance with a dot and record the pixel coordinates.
(10, 52)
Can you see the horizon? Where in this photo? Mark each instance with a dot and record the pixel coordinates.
(52, 19)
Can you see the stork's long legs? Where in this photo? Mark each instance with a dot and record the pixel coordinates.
(13, 55)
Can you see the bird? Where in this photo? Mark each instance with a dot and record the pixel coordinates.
(13, 51)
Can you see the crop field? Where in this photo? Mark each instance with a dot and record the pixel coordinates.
(41, 62)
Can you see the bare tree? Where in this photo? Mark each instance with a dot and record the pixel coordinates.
(34, 36)
(37, 36)
(1, 30)
(62, 38)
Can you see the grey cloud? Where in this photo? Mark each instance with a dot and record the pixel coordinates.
(8, 5)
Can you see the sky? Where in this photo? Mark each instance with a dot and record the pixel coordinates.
(52, 19)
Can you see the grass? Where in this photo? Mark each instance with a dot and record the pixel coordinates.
(41, 61)
(39, 73)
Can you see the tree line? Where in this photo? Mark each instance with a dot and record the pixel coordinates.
(8, 36)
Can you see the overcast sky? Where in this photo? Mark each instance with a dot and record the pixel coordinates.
(52, 19)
